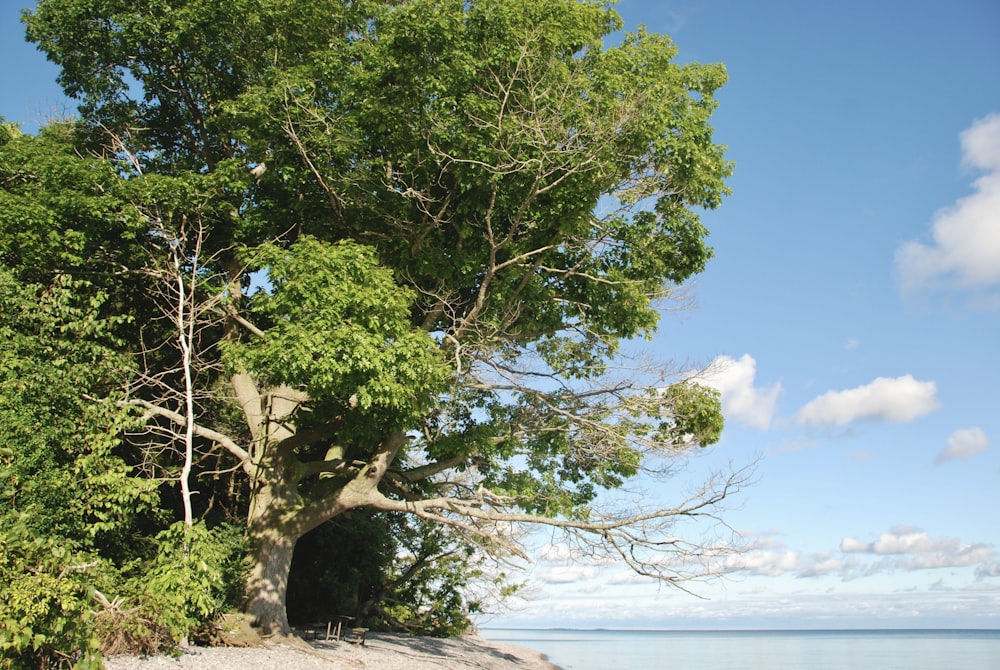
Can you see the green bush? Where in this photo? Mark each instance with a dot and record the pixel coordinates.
(193, 577)
(46, 620)
(53, 617)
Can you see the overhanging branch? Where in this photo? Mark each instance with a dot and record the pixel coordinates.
(201, 431)
(429, 470)
(639, 540)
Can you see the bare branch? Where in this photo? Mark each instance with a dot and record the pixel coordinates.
(642, 540)
(201, 431)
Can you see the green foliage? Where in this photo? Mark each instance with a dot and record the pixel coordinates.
(390, 99)
(431, 223)
(66, 489)
(54, 351)
(45, 615)
(45, 605)
(191, 579)
(435, 602)
(694, 412)
(339, 327)
(60, 209)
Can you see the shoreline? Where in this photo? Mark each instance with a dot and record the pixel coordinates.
(382, 651)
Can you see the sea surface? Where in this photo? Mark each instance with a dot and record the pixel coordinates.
(761, 650)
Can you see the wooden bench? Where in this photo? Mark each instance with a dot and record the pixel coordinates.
(336, 630)
(312, 631)
(356, 636)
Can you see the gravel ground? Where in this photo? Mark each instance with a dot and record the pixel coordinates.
(382, 651)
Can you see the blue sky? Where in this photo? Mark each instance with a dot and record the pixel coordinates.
(852, 315)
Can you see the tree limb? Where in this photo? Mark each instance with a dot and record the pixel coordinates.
(429, 470)
(201, 431)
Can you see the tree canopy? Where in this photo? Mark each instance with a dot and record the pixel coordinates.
(382, 255)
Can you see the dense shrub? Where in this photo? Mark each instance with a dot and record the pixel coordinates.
(46, 619)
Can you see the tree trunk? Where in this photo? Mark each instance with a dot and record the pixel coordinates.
(267, 584)
(273, 505)
(273, 531)
(279, 517)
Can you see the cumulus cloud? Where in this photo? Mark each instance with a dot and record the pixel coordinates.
(988, 570)
(914, 549)
(964, 443)
(898, 540)
(767, 563)
(620, 578)
(958, 557)
(850, 545)
(900, 549)
(965, 246)
(567, 574)
(741, 400)
(900, 399)
(557, 553)
(562, 554)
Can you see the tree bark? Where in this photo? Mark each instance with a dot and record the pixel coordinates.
(267, 585)
(279, 517)
(276, 525)
(275, 530)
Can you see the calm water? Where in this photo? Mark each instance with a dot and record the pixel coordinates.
(761, 650)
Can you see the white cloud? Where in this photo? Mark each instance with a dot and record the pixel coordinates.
(766, 608)
(763, 563)
(965, 250)
(901, 549)
(988, 570)
(909, 577)
(563, 554)
(620, 578)
(741, 400)
(958, 557)
(915, 549)
(557, 553)
(766, 540)
(768, 563)
(850, 545)
(964, 443)
(567, 575)
(898, 540)
(898, 400)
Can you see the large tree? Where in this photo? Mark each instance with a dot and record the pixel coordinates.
(457, 211)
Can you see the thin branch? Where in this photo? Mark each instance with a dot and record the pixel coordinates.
(201, 431)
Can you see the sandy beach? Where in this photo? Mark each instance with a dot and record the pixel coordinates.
(382, 651)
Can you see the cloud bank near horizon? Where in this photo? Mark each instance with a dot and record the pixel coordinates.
(774, 586)
(898, 550)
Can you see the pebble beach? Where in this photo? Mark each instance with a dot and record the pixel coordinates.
(381, 651)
